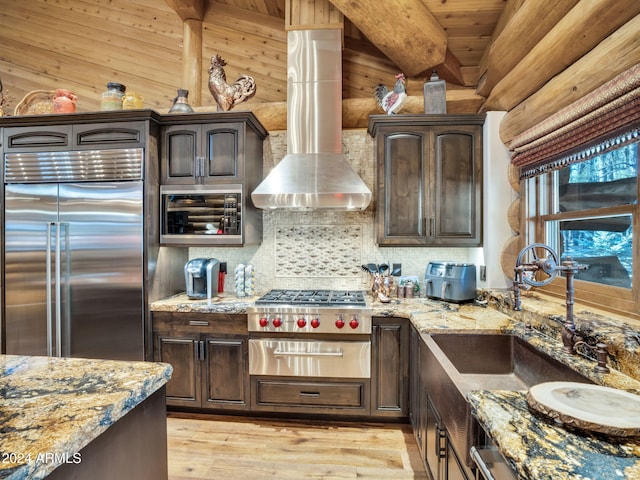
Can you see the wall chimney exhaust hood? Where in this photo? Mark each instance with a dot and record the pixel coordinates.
(314, 175)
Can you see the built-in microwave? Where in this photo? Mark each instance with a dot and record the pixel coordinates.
(202, 215)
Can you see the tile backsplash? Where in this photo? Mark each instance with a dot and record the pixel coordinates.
(324, 249)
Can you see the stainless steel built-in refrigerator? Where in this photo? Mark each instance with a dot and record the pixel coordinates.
(74, 257)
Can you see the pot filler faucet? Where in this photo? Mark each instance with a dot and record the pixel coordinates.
(536, 270)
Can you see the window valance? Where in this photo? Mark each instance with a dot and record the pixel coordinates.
(606, 118)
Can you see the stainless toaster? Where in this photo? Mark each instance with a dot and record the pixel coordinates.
(450, 281)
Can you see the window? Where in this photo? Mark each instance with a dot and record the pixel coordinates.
(588, 211)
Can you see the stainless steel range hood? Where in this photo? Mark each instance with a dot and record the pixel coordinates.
(314, 174)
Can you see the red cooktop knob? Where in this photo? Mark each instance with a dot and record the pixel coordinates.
(354, 323)
(339, 323)
(315, 323)
(264, 321)
(302, 322)
(277, 322)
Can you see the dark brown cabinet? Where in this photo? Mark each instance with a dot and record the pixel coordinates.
(212, 149)
(79, 136)
(429, 190)
(209, 355)
(210, 164)
(429, 425)
(201, 153)
(390, 368)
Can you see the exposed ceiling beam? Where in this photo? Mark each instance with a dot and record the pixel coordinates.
(408, 34)
(188, 9)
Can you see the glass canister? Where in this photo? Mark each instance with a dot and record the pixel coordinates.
(132, 101)
(112, 98)
(64, 101)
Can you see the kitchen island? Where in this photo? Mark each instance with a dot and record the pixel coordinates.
(72, 418)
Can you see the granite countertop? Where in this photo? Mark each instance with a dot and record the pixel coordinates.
(535, 448)
(53, 407)
(538, 449)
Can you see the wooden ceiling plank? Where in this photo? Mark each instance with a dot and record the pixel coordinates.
(578, 32)
(188, 9)
(422, 44)
(614, 55)
(533, 20)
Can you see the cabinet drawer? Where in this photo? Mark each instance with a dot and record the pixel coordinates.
(208, 323)
(304, 394)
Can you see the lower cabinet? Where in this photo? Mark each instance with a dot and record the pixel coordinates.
(430, 430)
(390, 367)
(209, 355)
(210, 359)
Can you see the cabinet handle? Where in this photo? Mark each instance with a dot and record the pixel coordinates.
(196, 350)
(441, 443)
(199, 323)
(202, 352)
(310, 394)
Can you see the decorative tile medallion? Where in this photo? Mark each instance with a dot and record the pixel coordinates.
(318, 250)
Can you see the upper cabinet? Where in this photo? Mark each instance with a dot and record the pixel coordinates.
(211, 149)
(429, 189)
(210, 164)
(119, 133)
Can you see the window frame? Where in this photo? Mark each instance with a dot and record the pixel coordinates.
(539, 197)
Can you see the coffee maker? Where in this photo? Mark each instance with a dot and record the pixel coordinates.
(201, 277)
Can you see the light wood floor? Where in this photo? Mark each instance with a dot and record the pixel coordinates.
(237, 448)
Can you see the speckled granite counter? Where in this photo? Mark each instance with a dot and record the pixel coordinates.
(538, 449)
(53, 407)
(223, 303)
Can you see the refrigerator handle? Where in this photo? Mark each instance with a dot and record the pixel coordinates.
(54, 318)
(58, 275)
(49, 301)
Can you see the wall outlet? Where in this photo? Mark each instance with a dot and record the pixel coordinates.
(483, 273)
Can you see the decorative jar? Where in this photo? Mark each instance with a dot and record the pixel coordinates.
(132, 101)
(112, 98)
(64, 101)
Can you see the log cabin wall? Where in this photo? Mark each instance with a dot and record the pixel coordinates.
(529, 58)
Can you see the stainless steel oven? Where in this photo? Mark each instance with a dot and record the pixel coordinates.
(310, 333)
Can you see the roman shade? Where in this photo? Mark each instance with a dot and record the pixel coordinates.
(606, 118)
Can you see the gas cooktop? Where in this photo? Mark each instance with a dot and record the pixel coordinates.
(316, 298)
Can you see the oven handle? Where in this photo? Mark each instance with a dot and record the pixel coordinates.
(482, 467)
(308, 354)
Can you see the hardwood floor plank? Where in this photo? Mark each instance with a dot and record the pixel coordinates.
(202, 447)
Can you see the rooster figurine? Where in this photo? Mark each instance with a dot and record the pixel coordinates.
(228, 96)
(391, 101)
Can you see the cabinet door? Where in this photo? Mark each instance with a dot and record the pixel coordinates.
(44, 138)
(390, 372)
(109, 135)
(456, 154)
(454, 467)
(222, 143)
(435, 440)
(182, 353)
(226, 376)
(402, 187)
(180, 149)
(415, 384)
